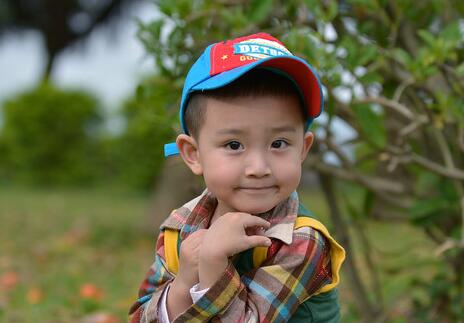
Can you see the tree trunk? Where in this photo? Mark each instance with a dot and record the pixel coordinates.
(176, 185)
(367, 310)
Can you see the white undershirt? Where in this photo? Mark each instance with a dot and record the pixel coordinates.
(195, 294)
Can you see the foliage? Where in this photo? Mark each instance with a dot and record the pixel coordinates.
(49, 136)
(138, 152)
(393, 73)
(54, 137)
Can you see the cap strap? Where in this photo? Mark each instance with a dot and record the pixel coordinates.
(170, 149)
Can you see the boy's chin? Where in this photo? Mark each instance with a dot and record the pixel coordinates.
(257, 207)
(263, 213)
(260, 210)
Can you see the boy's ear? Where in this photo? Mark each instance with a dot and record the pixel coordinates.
(188, 149)
(307, 143)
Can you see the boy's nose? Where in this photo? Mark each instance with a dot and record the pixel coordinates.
(257, 166)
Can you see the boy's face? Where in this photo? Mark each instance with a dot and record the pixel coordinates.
(249, 151)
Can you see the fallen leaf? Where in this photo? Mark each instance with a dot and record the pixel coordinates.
(91, 291)
(9, 280)
(34, 295)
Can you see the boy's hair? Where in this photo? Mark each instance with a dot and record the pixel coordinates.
(257, 82)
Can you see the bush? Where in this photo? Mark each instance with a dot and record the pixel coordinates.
(138, 152)
(49, 136)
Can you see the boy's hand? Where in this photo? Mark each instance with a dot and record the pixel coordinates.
(179, 295)
(189, 258)
(230, 234)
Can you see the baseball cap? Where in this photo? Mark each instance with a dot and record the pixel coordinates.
(223, 62)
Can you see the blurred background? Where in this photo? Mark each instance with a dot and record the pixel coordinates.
(89, 93)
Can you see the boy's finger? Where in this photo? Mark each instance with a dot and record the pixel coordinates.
(255, 231)
(258, 241)
(255, 221)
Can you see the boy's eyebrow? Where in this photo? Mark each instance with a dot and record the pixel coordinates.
(284, 129)
(232, 131)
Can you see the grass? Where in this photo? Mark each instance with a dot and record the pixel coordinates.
(73, 252)
(67, 253)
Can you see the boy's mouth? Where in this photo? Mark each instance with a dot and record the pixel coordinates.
(258, 188)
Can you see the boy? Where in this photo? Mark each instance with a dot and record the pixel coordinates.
(245, 250)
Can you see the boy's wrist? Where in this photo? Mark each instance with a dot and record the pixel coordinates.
(178, 298)
(210, 269)
(179, 287)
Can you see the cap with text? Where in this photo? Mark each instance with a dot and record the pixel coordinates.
(222, 63)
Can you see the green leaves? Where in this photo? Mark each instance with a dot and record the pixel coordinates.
(429, 211)
(448, 108)
(260, 9)
(305, 42)
(176, 9)
(365, 56)
(441, 202)
(49, 136)
(371, 124)
(436, 49)
(442, 47)
(402, 56)
(323, 10)
(138, 152)
(235, 18)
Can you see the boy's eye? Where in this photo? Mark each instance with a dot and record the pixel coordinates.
(279, 144)
(234, 145)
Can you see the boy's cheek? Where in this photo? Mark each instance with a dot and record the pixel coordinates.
(219, 171)
(217, 164)
(289, 175)
(220, 178)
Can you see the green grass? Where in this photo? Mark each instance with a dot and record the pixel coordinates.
(56, 241)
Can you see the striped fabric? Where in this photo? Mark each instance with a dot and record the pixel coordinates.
(298, 267)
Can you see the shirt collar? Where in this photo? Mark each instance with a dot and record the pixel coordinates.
(196, 214)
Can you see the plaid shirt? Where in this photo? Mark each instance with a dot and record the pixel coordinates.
(297, 266)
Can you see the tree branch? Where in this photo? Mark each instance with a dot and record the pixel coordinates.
(373, 184)
(377, 182)
(394, 105)
(453, 173)
(461, 137)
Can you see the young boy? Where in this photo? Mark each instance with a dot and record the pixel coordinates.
(245, 250)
